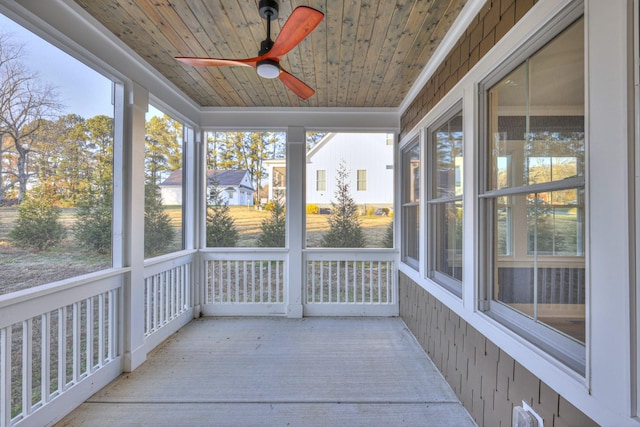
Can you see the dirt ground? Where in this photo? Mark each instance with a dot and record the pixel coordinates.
(21, 268)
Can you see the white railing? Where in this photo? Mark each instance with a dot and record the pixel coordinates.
(52, 339)
(55, 337)
(244, 282)
(168, 282)
(350, 282)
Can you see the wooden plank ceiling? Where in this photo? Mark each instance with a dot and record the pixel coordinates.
(365, 53)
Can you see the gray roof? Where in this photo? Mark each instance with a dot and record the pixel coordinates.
(224, 178)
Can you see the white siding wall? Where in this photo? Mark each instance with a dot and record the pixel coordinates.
(240, 196)
(360, 151)
(171, 195)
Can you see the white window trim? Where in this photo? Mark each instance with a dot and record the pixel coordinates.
(565, 349)
(415, 141)
(452, 285)
(635, 370)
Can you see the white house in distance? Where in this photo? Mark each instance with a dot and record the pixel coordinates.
(368, 158)
(236, 187)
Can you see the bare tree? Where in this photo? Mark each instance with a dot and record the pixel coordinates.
(9, 52)
(25, 103)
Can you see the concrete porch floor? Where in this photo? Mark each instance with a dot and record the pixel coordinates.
(280, 372)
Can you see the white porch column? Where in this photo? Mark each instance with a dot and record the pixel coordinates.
(190, 202)
(296, 162)
(199, 175)
(192, 206)
(137, 103)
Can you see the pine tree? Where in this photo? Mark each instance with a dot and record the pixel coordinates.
(158, 232)
(221, 228)
(94, 218)
(38, 225)
(273, 228)
(345, 230)
(387, 240)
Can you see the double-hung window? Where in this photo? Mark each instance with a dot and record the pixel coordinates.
(444, 200)
(362, 180)
(533, 196)
(411, 203)
(321, 180)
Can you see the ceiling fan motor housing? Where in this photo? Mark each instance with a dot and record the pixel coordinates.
(268, 9)
(265, 46)
(268, 68)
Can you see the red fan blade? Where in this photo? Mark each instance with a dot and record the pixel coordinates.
(302, 21)
(296, 85)
(216, 62)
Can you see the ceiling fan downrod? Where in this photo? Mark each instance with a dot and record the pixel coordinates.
(268, 11)
(268, 68)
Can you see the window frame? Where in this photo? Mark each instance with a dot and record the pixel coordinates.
(567, 350)
(433, 202)
(405, 176)
(182, 139)
(275, 176)
(636, 66)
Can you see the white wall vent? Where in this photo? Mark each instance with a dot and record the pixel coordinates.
(525, 416)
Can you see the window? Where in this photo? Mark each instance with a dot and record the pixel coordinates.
(411, 204)
(164, 184)
(56, 164)
(362, 180)
(321, 180)
(343, 213)
(533, 200)
(246, 189)
(445, 201)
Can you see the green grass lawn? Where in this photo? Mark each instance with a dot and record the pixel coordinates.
(248, 220)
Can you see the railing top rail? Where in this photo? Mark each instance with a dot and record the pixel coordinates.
(161, 264)
(187, 253)
(61, 285)
(242, 250)
(19, 309)
(351, 254)
(246, 255)
(352, 250)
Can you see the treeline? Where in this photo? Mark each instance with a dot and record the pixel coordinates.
(68, 156)
(69, 163)
(249, 151)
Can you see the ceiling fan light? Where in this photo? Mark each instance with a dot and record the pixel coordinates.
(268, 69)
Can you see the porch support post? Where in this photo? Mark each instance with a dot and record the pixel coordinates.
(197, 167)
(133, 304)
(296, 163)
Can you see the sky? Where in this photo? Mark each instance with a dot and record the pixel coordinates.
(81, 90)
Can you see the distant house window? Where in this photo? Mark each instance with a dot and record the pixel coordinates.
(389, 167)
(362, 180)
(444, 198)
(321, 180)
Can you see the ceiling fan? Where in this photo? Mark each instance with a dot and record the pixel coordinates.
(302, 21)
